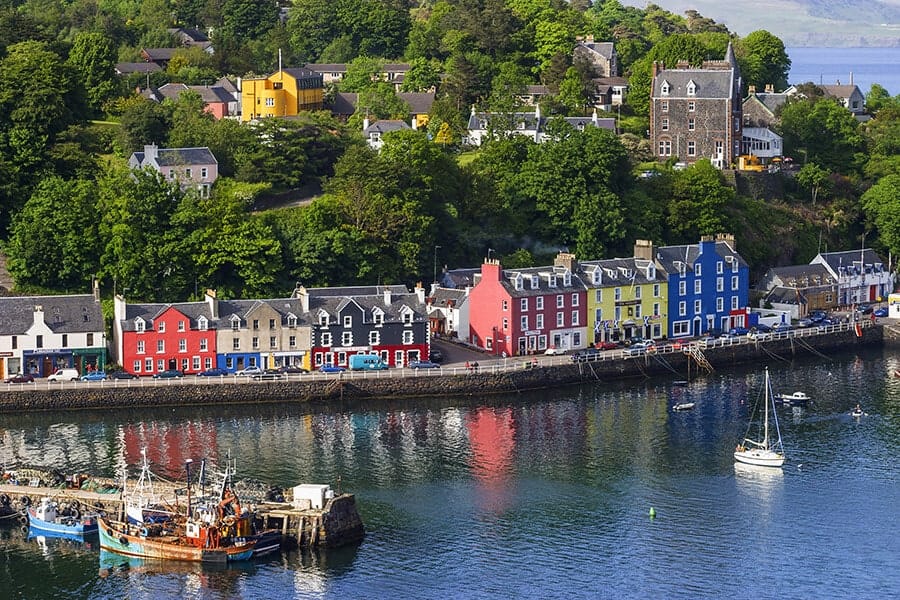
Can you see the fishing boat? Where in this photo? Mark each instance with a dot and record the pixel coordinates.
(142, 503)
(764, 451)
(216, 530)
(49, 516)
(795, 399)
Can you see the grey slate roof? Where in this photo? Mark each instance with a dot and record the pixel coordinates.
(155, 54)
(803, 275)
(530, 121)
(125, 68)
(385, 126)
(344, 103)
(459, 278)
(62, 314)
(207, 93)
(852, 258)
(301, 73)
(785, 295)
(604, 49)
(419, 102)
(619, 271)
(667, 256)
(770, 101)
(148, 312)
(174, 157)
(508, 281)
(327, 67)
(710, 84)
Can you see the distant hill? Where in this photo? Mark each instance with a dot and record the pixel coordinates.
(849, 23)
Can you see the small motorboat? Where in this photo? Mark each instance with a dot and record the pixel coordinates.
(795, 399)
(49, 516)
(683, 406)
(680, 382)
(857, 412)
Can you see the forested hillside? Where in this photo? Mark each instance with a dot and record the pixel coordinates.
(70, 210)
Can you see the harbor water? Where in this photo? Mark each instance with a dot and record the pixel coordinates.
(521, 496)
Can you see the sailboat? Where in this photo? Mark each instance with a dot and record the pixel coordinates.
(763, 452)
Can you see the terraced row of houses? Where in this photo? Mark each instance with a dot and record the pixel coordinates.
(671, 292)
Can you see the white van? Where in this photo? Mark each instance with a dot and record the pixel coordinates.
(64, 375)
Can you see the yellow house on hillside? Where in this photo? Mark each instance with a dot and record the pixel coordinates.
(626, 298)
(284, 93)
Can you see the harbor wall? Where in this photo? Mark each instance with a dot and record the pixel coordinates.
(514, 377)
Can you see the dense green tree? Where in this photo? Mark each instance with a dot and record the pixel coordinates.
(699, 197)
(826, 131)
(143, 122)
(763, 60)
(247, 19)
(53, 240)
(93, 58)
(423, 75)
(881, 204)
(814, 178)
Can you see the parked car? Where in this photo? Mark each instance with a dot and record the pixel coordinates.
(738, 331)
(880, 312)
(817, 315)
(331, 369)
(291, 369)
(553, 351)
(94, 376)
(19, 378)
(121, 375)
(865, 308)
(585, 355)
(248, 371)
(436, 355)
(762, 328)
(64, 375)
(169, 374)
(606, 345)
(759, 336)
(267, 374)
(214, 372)
(423, 364)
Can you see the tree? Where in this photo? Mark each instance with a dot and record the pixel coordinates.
(247, 19)
(826, 131)
(699, 197)
(881, 204)
(814, 178)
(94, 59)
(763, 60)
(423, 75)
(143, 122)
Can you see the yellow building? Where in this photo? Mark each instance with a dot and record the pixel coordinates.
(284, 93)
(626, 298)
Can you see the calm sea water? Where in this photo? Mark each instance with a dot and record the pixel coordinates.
(830, 65)
(533, 495)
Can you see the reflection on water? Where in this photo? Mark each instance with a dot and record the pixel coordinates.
(513, 495)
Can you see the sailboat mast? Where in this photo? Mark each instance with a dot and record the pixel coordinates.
(766, 417)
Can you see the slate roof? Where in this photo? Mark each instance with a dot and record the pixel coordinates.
(688, 253)
(385, 126)
(334, 304)
(803, 275)
(851, 258)
(839, 91)
(344, 103)
(226, 84)
(176, 157)
(327, 67)
(785, 295)
(769, 101)
(441, 297)
(149, 312)
(619, 271)
(459, 278)
(419, 102)
(155, 54)
(62, 314)
(604, 49)
(710, 84)
(301, 73)
(189, 34)
(125, 68)
(361, 290)
(209, 94)
(511, 121)
(508, 281)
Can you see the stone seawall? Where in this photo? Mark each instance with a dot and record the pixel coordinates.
(674, 364)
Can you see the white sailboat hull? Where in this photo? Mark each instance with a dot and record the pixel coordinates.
(760, 457)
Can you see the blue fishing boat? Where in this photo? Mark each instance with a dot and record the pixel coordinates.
(50, 517)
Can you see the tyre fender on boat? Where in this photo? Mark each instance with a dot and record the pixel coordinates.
(25, 501)
(74, 505)
(76, 514)
(123, 540)
(144, 532)
(4, 500)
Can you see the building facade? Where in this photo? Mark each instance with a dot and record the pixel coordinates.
(861, 275)
(285, 93)
(189, 167)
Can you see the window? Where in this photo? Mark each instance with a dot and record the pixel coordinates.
(535, 282)
(734, 303)
(196, 363)
(207, 363)
(271, 324)
(698, 286)
(348, 321)
(574, 318)
(720, 284)
(560, 319)
(161, 346)
(148, 365)
(523, 323)
(560, 301)
(235, 324)
(254, 343)
(664, 106)
(374, 338)
(697, 307)
(182, 345)
(161, 326)
(517, 282)
(664, 125)
(379, 319)
(292, 321)
(734, 266)
(524, 303)
(665, 148)
(255, 324)
(204, 345)
(407, 338)
(637, 311)
(326, 339)
(617, 294)
(637, 292)
(180, 325)
(235, 343)
(273, 342)
(692, 148)
(323, 320)
(505, 324)
(656, 290)
(270, 102)
(691, 106)
(65, 340)
(682, 288)
(598, 296)
(690, 124)
(504, 305)
(618, 313)
(656, 309)
(292, 340)
(347, 338)
(551, 281)
(15, 342)
(681, 328)
(697, 270)
(664, 88)
(574, 299)
(720, 304)
(720, 267)
(136, 366)
(140, 347)
(539, 322)
(734, 283)
(160, 365)
(691, 88)
(204, 172)
(539, 303)
(598, 315)
(407, 318)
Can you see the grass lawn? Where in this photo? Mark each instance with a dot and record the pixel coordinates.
(466, 158)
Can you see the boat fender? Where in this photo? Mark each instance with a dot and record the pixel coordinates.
(144, 532)
(123, 540)
(74, 505)
(4, 499)
(24, 528)
(76, 513)
(25, 501)
(23, 519)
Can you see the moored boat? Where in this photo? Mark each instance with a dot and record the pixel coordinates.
(683, 406)
(192, 542)
(766, 451)
(49, 516)
(795, 399)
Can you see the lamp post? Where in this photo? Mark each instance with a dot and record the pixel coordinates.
(436, 248)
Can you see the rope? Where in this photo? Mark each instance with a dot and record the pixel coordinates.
(665, 363)
(807, 346)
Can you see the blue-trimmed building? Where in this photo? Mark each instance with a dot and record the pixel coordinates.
(708, 286)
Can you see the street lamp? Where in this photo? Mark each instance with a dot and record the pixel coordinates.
(436, 248)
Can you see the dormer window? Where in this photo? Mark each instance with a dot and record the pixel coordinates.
(202, 323)
(323, 319)
(596, 277)
(691, 88)
(378, 317)
(292, 321)
(651, 272)
(235, 323)
(552, 281)
(140, 325)
(535, 282)
(567, 279)
(517, 282)
(664, 88)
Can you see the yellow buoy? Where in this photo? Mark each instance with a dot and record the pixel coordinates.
(652, 513)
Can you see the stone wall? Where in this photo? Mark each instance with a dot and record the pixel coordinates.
(485, 382)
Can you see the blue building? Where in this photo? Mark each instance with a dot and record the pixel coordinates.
(709, 286)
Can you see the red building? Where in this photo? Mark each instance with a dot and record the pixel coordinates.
(524, 311)
(159, 337)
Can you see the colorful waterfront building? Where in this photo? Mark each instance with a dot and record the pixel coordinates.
(515, 312)
(708, 286)
(626, 297)
(285, 93)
